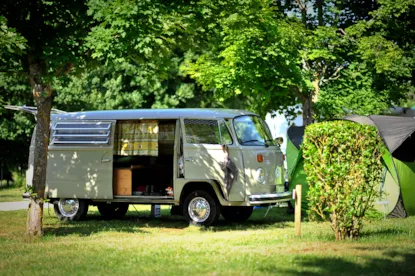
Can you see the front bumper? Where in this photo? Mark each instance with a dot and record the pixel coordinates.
(270, 198)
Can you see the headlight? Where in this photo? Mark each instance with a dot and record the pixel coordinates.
(278, 173)
(260, 175)
(279, 176)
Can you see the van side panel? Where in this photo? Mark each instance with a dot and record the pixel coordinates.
(238, 191)
(79, 167)
(79, 173)
(31, 161)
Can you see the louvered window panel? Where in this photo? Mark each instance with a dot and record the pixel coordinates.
(81, 133)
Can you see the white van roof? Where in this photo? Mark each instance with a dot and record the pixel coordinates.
(146, 114)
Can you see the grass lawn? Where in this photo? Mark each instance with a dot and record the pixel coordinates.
(138, 245)
(11, 194)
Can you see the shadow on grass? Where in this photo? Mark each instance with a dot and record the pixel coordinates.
(95, 223)
(223, 225)
(276, 218)
(393, 263)
(137, 222)
(381, 232)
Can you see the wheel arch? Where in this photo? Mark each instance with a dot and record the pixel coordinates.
(211, 187)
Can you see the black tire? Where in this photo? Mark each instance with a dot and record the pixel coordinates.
(205, 200)
(237, 213)
(290, 208)
(113, 210)
(78, 212)
(176, 210)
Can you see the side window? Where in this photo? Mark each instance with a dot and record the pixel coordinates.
(226, 136)
(202, 131)
(81, 133)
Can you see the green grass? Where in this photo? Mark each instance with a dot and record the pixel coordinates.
(9, 194)
(139, 245)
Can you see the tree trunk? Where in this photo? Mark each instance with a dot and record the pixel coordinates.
(35, 217)
(302, 4)
(307, 110)
(42, 94)
(319, 4)
(316, 86)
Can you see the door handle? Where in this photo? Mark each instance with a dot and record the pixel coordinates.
(106, 160)
(191, 159)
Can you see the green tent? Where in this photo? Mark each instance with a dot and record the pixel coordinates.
(295, 162)
(398, 181)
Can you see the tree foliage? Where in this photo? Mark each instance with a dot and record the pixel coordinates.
(329, 43)
(251, 51)
(54, 33)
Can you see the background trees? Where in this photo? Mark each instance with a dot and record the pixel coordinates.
(332, 57)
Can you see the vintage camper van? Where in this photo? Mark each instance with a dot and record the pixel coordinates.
(204, 162)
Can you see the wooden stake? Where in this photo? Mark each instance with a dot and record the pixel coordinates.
(297, 218)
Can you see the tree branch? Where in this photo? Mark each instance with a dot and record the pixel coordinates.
(301, 5)
(305, 64)
(336, 75)
(18, 72)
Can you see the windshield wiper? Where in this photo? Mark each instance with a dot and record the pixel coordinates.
(254, 140)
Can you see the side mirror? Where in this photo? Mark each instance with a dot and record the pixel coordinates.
(279, 140)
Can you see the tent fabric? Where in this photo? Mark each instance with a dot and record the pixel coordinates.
(360, 119)
(394, 130)
(299, 177)
(399, 138)
(406, 173)
(388, 199)
(292, 156)
(295, 135)
(295, 163)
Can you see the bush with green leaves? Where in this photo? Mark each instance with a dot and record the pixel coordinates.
(342, 161)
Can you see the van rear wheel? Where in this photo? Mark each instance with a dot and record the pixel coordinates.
(201, 208)
(237, 213)
(72, 209)
(114, 210)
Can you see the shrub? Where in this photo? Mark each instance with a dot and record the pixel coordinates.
(19, 178)
(342, 161)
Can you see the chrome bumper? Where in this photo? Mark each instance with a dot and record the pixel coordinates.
(270, 198)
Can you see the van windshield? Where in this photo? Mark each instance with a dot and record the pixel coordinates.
(252, 131)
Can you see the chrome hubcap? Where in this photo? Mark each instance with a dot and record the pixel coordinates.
(68, 207)
(199, 209)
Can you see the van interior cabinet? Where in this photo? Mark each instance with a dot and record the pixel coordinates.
(123, 182)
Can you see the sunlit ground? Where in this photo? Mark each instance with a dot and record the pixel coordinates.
(139, 245)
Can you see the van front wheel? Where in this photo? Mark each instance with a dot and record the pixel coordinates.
(113, 210)
(201, 208)
(70, 209)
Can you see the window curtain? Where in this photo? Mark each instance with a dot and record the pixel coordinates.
(166, 138)
(136, 138)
